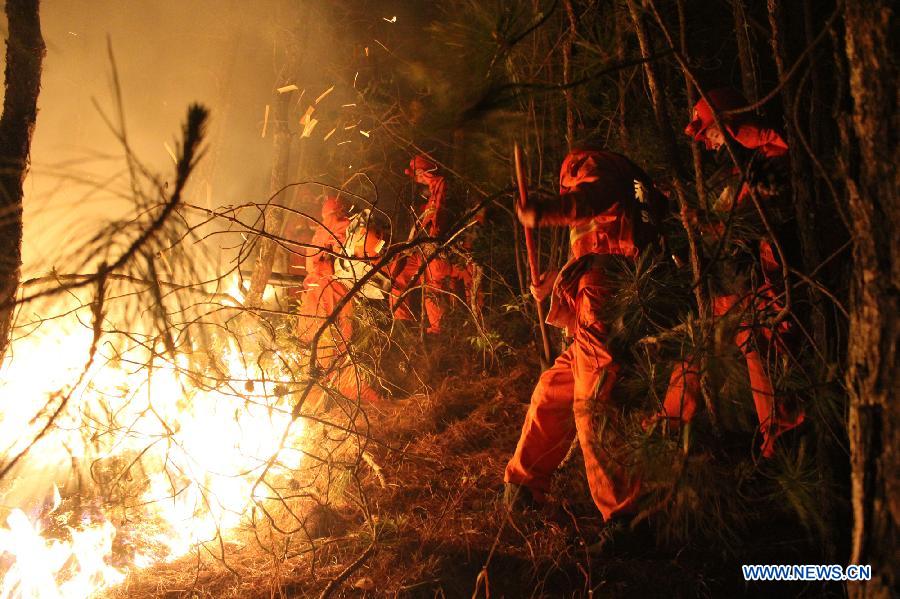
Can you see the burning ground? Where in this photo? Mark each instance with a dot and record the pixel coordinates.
(402, 498)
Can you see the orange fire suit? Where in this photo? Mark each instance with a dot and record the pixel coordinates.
(595, 187)
(682, 396)
(441, 280)
(441, 277)
(323, 292)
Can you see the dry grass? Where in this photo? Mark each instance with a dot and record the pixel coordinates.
(431, 484)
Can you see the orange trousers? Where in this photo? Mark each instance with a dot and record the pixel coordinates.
(439, 278)
(318, 303)
(683, 393)
(562, 405)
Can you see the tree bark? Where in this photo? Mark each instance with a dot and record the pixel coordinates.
(872, 374)
(619, 25)
(696, 158)
(24, 58)
(742, 36)
(802, 194)
(567, 72)
(664, 126)
(273, 219)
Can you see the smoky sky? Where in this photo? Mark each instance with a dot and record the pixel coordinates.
(229, 55)
(224, 54)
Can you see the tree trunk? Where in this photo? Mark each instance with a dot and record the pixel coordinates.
(664, 126)
(619, 25)
(742, 35)
(567, 72)
(24, 56)
(273, 218)
(872, 373)
(803, 199)
(696, 158)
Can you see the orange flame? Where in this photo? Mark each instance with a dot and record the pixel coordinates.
(203, 438)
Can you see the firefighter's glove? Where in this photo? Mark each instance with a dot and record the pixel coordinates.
(543, 287)
(529, 214)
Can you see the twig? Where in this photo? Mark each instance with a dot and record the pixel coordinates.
(194, 130)
(790, 72)
(336, 582)
(97, 309)
(378, 470)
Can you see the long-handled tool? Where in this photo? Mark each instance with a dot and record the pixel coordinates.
(532, 251)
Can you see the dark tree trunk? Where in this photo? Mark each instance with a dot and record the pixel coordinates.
(742, 36)
(664, 125)
(567, 72)
(24, 56)
(802, 192)
(620, 26)
(295, 59)
(872, 374)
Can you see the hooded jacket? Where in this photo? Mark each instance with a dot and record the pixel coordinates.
(431, 215)
(744, 127)
(330, 235)
(601, 195)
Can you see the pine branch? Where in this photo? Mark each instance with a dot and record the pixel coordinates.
(193, 135)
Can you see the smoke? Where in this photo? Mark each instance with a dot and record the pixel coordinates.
(224, 54)
(229, 55)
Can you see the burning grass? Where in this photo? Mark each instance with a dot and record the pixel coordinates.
(426, 491)
(429, 496)
(407, 505)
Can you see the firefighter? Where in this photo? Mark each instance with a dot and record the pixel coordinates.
(441, 277)
(604, 201)
(732, 289)
(323, 292)
(432, 214)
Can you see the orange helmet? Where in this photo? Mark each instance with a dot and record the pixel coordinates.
(331, 209)
(725, 98)
(420, 162)
(578, 168)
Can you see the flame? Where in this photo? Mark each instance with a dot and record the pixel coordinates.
(37, 562)
(237, 292)
(203, 437)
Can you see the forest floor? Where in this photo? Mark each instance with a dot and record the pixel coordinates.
(433, 485)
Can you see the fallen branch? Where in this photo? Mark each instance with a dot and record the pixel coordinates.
(336, 582)
(378, 470)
